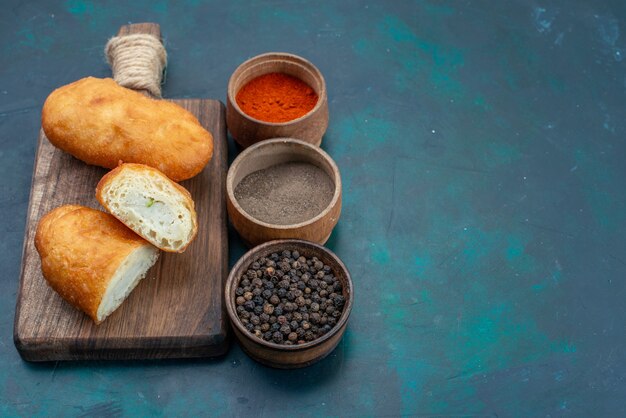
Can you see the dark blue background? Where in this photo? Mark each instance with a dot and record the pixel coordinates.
(482, 152)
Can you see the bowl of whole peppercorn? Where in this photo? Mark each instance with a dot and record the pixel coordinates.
(289, 302)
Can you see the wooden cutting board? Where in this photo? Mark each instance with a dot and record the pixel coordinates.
(177, 311)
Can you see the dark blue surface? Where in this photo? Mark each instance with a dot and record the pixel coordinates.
(482, 151)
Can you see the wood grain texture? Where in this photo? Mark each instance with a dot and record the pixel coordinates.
(175, 312)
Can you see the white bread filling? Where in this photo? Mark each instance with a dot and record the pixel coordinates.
(152, 207)
(126, 278)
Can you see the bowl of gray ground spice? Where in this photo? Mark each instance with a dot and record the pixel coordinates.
(283, 188)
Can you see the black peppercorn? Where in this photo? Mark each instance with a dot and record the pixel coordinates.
(288, 298)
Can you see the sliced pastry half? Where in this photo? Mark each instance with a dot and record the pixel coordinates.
(148, 202)
(91, 259)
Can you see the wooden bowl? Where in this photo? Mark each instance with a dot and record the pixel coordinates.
(289, 356)
(266, 154)
(247, 130)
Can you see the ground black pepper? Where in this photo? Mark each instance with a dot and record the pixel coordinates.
(285, 194)
(289, 299)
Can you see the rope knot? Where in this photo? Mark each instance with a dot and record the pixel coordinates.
(137, 61)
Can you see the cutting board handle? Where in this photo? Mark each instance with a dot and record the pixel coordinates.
(148, 28)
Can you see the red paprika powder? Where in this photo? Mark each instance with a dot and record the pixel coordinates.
(276, 97)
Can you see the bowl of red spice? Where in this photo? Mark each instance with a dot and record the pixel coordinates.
(276, 95)
(283, 188)
(289, 302)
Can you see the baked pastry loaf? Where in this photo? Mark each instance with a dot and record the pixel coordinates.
(150, 204)
(101, 123)
(91, 259)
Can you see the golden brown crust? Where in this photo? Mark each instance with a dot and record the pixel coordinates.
(108, 177)
(102, 123)
(81, 249)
